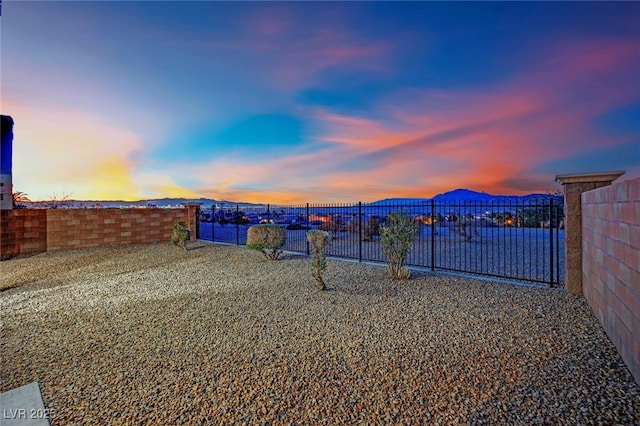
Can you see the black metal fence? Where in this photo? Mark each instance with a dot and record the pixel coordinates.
(521, 239)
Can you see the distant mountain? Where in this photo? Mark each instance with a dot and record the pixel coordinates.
(396, 201)
(462, 194)
(206, 202)
(156, 202)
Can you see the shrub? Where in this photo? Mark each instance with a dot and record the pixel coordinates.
(268, 239)
(329, 226)
(319, 240)
(334, 226)
(397, 238)
(370, 228)
(180, 234)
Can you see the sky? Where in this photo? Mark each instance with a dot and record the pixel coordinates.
(291, 102)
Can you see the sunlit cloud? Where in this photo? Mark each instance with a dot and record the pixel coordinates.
(491, 140)
(72, 152)
(113, 126)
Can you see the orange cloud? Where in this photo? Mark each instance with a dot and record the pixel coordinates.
(64, 151)
(431, 141)
(492, 139)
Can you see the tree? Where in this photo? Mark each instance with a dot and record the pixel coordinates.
(56, 202)
(18, 199)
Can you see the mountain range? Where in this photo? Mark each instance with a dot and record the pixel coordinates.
(460, 194)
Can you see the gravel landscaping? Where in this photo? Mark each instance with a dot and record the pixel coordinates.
(516, 253)
(218, 334)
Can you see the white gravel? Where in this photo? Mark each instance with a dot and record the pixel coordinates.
(218, 334)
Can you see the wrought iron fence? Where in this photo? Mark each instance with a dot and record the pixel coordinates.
(511, 238)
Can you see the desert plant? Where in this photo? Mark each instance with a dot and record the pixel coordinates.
(397, 238)
(58, 202)
(319, 240)
(19, 198)
(181, 234)
(334, 226)
(370, 228)
(467, 228)
(268, 239)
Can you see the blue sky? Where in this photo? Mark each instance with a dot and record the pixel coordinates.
(300, 101)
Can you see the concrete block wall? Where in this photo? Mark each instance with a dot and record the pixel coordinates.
(38, 230)
(81, 228)
(22, 231)
(611, 264)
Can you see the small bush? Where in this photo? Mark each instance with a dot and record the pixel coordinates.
(268, 239)
(370, 228)
(319, 240)
(181, 234)
(397, 238)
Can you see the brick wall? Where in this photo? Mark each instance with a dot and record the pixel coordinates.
(611, 264)
(39, 230)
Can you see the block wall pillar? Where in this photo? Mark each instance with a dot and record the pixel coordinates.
(193, 219)
(574, 186)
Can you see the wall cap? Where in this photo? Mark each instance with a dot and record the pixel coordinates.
(589, 177)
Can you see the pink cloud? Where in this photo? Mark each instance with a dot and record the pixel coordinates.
(498, 135)
(431, 141)
(295, 53)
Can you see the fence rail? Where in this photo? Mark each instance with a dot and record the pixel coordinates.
(521, 240)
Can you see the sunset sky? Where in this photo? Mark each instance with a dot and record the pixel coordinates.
(319, 102)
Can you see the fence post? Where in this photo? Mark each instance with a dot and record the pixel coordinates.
(307, 241)
(213, 222)
(360, 220)
(237, 225)
(433, 235)
(551, 282)
(559, 217)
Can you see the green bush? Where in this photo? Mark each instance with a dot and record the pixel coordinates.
(319, 240)
(397, 238)
(181, 234)
(268, 239)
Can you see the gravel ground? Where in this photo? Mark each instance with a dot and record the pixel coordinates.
(218, 334)
(517, 253)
